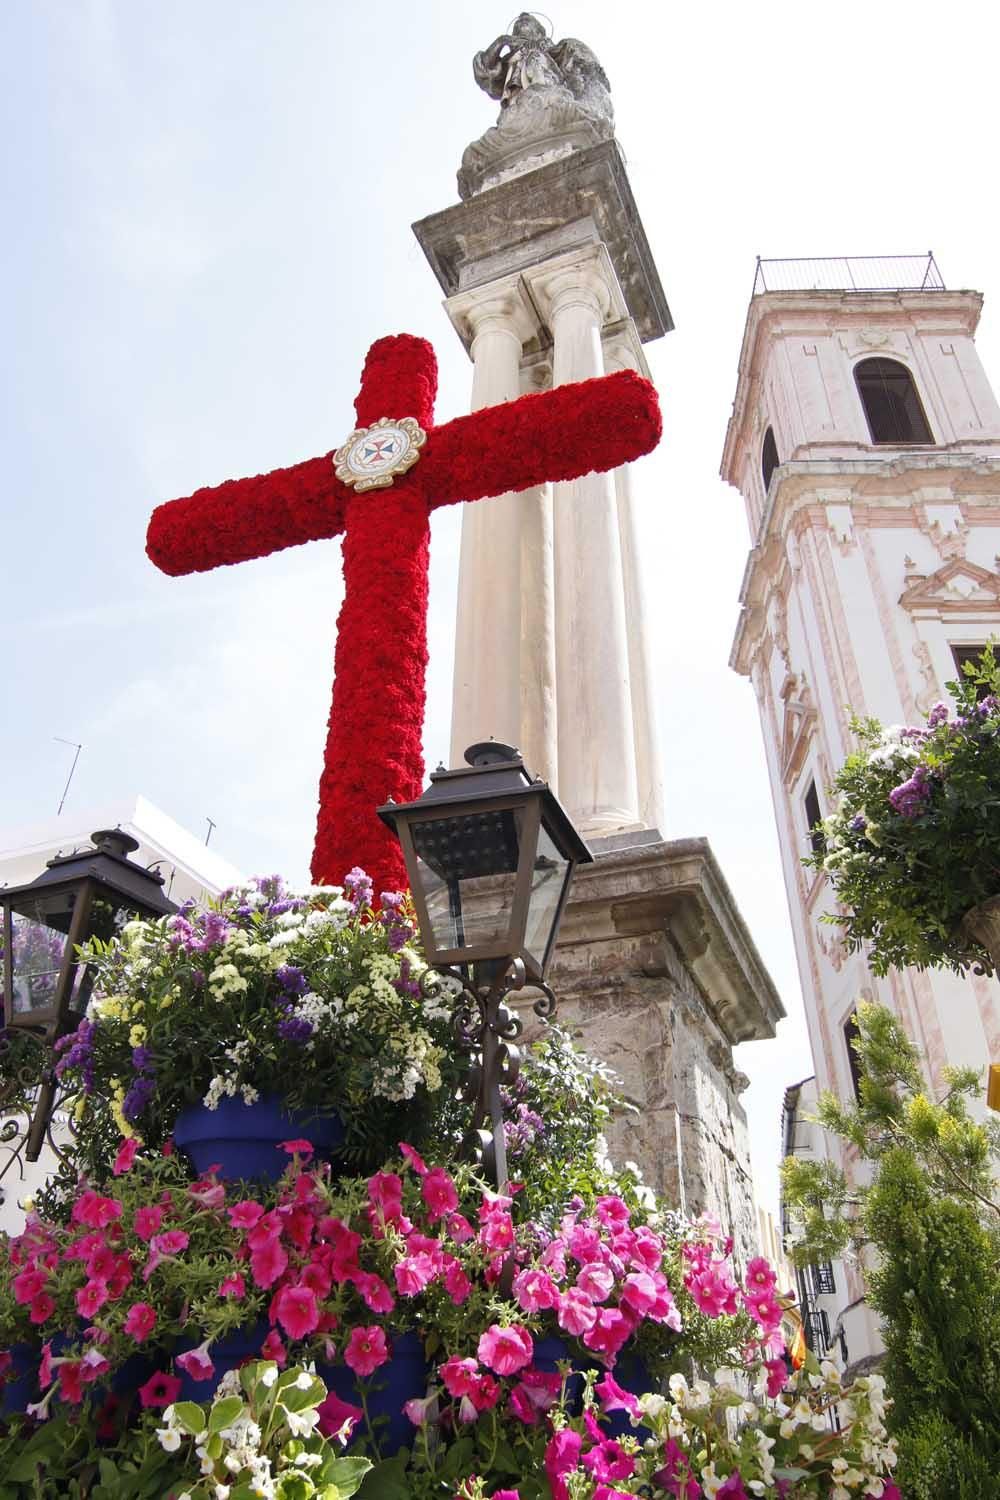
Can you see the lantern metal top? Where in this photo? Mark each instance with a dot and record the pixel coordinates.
(493, 770)
(107, 863)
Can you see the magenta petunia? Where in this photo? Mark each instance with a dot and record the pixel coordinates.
(505, 1350)
(160, 1390)
(439, 1193)
(296, 1309)
(126, 1155)
(141, 1321)
(366, 1350)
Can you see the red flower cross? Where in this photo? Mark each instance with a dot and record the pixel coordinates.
(373, 748)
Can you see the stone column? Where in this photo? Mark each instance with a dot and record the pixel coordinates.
(624, 352)
(597, 777)
(500, 682)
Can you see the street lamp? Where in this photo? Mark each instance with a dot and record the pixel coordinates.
(90, 893)
(490, 855)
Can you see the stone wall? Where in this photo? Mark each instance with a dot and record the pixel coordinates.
(656, 975)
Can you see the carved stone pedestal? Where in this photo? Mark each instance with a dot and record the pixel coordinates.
(657, 975)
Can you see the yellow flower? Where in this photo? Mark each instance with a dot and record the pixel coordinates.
(137, 1036)
(80, 1107)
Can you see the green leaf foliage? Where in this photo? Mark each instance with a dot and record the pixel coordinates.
(928, 1225)
(914, 842)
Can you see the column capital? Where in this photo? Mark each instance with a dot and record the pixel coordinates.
(582, 277)
(500, 306)
(623, 348)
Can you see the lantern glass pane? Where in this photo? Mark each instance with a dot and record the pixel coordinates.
(467, 867)
(105, 921)
(548, 880)
(39, 934)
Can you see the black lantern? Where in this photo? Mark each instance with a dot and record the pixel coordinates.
(89, 893)
(490, 854)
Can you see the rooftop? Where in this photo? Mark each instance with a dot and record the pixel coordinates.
(849, 273)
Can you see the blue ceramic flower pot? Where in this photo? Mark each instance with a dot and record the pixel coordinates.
(21, 1385)
(629, 1371)
(402, 1379)
(244, 1140)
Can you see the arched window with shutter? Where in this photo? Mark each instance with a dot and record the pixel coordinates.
(891, 403)
(769, 459)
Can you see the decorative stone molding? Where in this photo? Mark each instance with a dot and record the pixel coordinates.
(946, 528)
(499, 306)
(930, 693)
(583, 277)
(959, 588)
(798, 724)
(831, 946)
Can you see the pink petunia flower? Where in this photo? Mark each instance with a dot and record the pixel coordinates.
(414, 1158)
(91, 1298)
(576, 1313)
(439, 1193)
(160, 1390)
(233, 1285)
(95, 1211)
(301, 1148)
(126, 1155)
(595, 1280)
(273, 1348)
(244, 1215)
(505, 1350)
(457, 1284)
(147, 1221)
(297, 1311)
(141, 1321)
(267, 1263)
(46, 1373)
(366, 1350)
(414, 1273)
(777, 1374)
(609, 1332)
(196, 1362)
(71, 1381)
(535, 1291)
(338, 1419)
(561, 1456)
(41, 1309)
(460, 1229)
(614, 1397)
(759, 1274)
(375, 1292)
(459, 1376)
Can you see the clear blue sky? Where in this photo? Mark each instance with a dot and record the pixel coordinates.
(207, 212)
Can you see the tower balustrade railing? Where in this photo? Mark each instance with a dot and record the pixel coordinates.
(849, 273)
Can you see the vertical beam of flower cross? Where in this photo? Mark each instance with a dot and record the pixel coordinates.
(373, 748)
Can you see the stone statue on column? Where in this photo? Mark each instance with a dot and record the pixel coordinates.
(554, 98)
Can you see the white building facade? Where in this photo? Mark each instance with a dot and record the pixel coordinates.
(865, 440)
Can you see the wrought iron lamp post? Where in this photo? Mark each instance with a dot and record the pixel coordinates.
(90, 893)
(490, 855)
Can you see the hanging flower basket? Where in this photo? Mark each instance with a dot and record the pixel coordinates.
(249, 1142)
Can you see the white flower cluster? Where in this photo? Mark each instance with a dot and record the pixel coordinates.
(242, 1439)
(226, 1085)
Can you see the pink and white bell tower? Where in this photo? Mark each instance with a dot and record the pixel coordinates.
(865, 440)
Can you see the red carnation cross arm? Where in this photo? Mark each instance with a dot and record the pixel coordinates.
(373, 748)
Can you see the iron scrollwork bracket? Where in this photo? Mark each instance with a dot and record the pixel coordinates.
(485, 1027)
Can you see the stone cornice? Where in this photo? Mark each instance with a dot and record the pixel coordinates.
(677, 887)
(809, 313)
(891, 488)
(524, 222)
